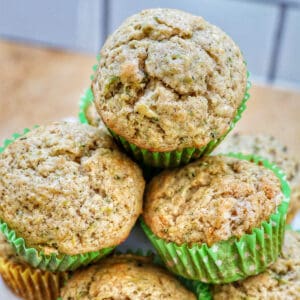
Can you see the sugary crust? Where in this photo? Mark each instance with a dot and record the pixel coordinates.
(169, 80)
(269, 147)
(280, 281)
(210, 200)
(67, 188)
(125, 277)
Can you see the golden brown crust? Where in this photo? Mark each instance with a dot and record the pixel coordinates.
(270, 148)
(67, 188)
(280, 281)
(210, 200)
(125, 277)
(169, 80)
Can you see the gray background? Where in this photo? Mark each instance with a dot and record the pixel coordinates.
(268, 32)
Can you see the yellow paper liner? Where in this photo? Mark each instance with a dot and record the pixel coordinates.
(30, 283)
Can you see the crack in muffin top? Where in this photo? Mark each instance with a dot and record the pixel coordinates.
(125, 277)
(280, 281)
(210, 200)
(66, 188)
(169, 80)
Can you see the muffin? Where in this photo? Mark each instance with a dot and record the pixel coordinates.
(279, 281)
(125, 277)
(218, 219)
(271, 149)
(69, 194)
(25, 281)
(169, 86)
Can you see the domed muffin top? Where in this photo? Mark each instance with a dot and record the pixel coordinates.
(169, 80)
(125, 277)
(67, 188)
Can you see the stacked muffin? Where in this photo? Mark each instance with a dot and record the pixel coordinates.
(68, 196)
(169, 87)
(219, 219)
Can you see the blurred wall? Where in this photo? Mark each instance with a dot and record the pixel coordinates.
(267, 31)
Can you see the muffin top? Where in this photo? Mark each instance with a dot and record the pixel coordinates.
(270, 148)
(211, 200)
(280, 281)
(265, 146)
(169, 80)
(125, 277)
(66, 188)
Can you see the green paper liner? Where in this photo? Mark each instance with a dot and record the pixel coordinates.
(54, 262)
(31, 283)
(235, 258)
(168, 159)
(287, 228)
(200, 289)
(86, 99)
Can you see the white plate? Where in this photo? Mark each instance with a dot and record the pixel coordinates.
(136, 240)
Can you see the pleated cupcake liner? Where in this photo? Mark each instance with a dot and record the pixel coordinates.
(172, 159)
(30, 283)
(53, 262)
(85, 101)
(235, 258)
(168, 159)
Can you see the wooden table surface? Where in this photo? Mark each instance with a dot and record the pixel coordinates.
(39, 85)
